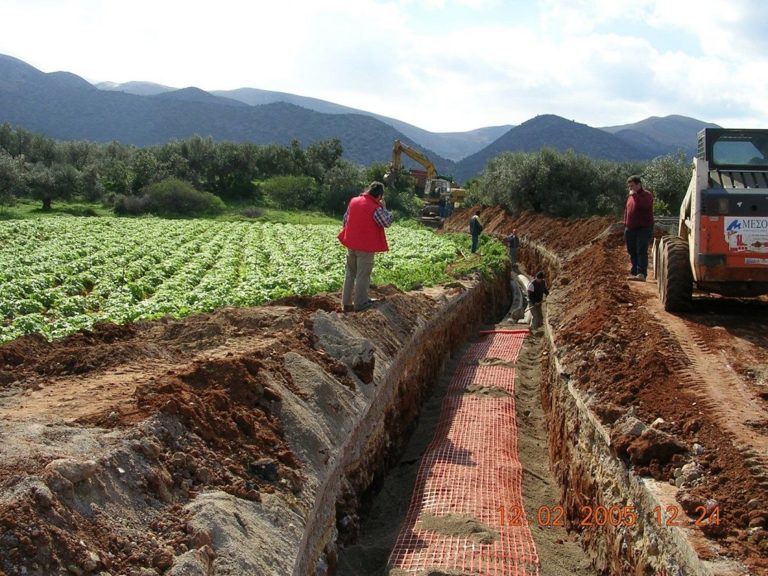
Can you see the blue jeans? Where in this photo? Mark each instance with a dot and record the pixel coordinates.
(637, 241)
(475, 238)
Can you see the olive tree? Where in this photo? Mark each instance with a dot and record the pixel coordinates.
(12, 177)
(57, 182)
(342, 182)
(668, 177)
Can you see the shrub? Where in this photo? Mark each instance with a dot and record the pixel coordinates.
(291, 192)
(252, 212)
(131, 205)
(171, 197)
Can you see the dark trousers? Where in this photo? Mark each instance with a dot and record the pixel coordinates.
(637, 241)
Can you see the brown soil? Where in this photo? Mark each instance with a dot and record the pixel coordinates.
(703, 373)
(212, 386)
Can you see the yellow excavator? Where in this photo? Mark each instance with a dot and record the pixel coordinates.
(440, 194)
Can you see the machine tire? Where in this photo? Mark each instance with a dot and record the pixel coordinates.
(675, 280)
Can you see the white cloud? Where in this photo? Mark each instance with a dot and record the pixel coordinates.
(444, 65)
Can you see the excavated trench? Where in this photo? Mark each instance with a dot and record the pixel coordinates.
(610, 513)
(377, 439)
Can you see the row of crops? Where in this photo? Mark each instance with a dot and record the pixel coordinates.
(58, 276)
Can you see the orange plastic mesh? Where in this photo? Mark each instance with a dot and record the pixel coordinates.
(471, 469)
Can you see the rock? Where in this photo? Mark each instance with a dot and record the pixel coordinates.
(264, 469)
(91, 563)
(654, 444)
(73, 470)
(199, 537)
(150, 449)
(159, 481)
(59, 485)
(203, 474)
(608, 413)
(43, 496)
(364, 361)
(625, 431)
(163, 559)
(687, 475)
(690, 503)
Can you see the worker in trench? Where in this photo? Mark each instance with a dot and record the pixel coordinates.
(475, 229)
(537, 289)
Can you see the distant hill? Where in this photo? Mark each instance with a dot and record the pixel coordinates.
(451, 145)
(654, 133)
(640, 141)
(64, 106)
(554, 132)
(197, 95)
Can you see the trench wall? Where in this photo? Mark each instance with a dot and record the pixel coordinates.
(378, 436)
(614, 510)
(619, 515)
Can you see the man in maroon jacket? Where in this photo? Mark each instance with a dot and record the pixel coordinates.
(363, 235)
(638, 227)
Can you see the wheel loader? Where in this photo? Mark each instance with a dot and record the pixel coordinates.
(721, 244)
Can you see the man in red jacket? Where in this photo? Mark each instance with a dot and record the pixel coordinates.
(363, 235)
(638, 227)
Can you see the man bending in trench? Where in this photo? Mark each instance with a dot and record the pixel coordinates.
(537, 288)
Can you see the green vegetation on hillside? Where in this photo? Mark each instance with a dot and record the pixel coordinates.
(194, 176)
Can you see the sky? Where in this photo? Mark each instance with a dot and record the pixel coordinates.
(441, 65)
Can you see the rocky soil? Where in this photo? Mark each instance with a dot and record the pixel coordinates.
(166, 447)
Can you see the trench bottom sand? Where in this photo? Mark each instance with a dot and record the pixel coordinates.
(470, 476)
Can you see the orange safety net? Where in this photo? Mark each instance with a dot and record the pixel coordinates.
(461, 516)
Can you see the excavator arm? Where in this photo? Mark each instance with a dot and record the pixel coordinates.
(398, 149)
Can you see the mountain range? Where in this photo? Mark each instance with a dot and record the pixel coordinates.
(64, 106)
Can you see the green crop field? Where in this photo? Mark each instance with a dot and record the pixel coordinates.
(61, 275)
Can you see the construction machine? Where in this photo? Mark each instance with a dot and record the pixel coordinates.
(439, 193)
(721, 244)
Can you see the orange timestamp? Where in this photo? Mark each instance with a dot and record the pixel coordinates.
(615, 516)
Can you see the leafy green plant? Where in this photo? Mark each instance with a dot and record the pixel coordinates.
(64, 274)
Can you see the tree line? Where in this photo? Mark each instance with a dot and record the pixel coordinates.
(199, 175)
(567, 184)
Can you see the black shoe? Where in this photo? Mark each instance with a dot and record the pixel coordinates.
(367, 305)
(349, 308)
